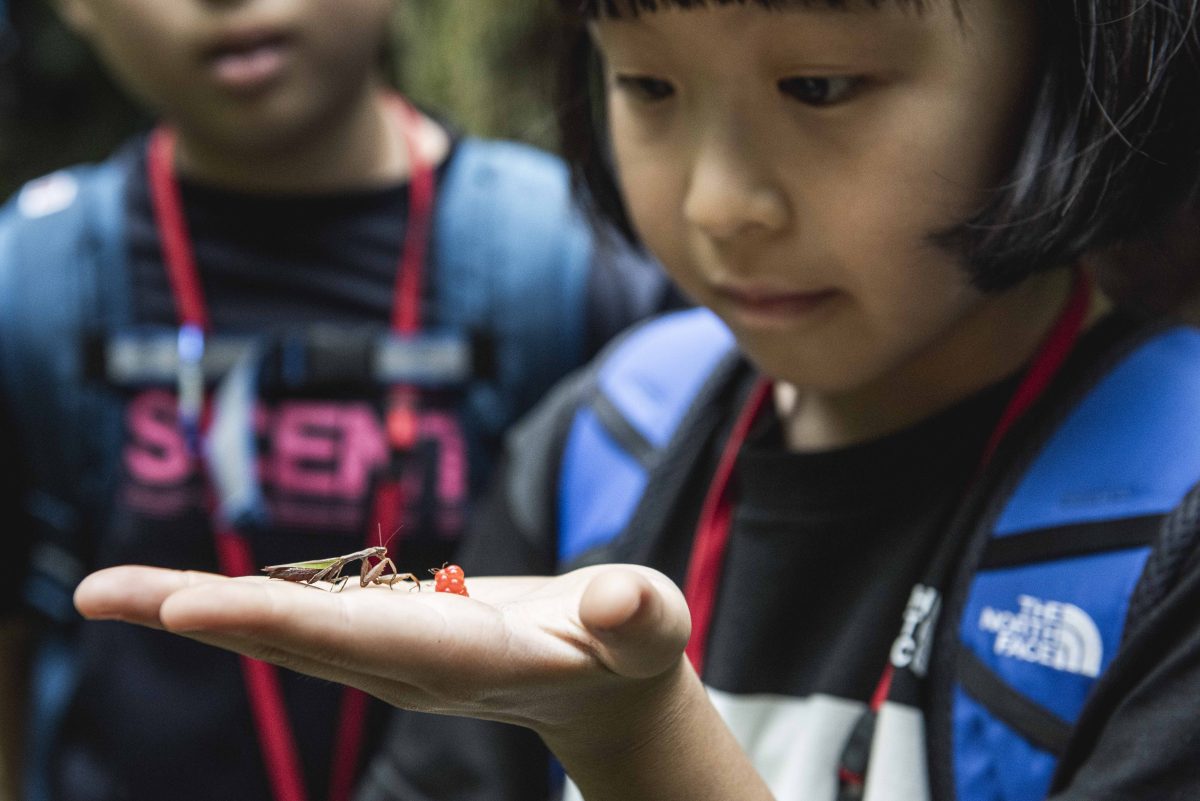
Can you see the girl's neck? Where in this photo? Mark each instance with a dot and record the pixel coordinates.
(992, 344)
(363, 148)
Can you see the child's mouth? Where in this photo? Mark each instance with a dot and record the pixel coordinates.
(774, 307)
(248, 63)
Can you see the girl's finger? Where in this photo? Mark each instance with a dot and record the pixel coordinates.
(134, 593)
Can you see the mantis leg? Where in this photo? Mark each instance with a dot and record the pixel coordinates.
(416, 582)
(331, 573)
(372, 575)
(375, 574)
(367, 573)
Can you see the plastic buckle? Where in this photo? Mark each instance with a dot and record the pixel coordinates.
(190, 384)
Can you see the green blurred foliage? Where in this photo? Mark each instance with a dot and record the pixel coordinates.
(488, 64)
(483, 65)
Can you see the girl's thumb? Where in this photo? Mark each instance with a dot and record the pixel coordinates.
(639, 619)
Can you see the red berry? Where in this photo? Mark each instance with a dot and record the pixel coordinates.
(450, 579)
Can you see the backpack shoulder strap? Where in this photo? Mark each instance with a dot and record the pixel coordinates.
(511, 257)
(61, 279)
(1049, 602)
(646, 385)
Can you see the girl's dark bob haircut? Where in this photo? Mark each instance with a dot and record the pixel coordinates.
(1111, 146)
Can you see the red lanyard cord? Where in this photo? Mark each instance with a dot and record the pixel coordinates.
(1049, 360)
(265, 692)
(712, 535)
(406, 302)
(401, 424)
(188, 293)
(711, 540)
(276, 737)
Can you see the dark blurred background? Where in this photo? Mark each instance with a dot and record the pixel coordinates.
(484, 64)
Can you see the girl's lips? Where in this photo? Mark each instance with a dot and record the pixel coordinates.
(774, 307)
(248, 62)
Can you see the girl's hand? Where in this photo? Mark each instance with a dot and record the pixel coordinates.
(591, 660)
(575, 657)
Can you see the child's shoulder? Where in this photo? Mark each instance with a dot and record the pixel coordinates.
(517, 181)
(648, 376)
(59, 236)
(75, 196)
(664, 360)
(508, 158)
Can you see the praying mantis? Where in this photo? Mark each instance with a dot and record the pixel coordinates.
(331, 570)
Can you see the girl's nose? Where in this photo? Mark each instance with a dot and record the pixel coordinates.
(729, 194)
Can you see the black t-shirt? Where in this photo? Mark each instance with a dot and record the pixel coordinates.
(824, 551)
(850, 530)
(161, 716)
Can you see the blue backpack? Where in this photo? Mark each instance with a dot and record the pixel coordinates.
(506, 236)
(1103, 536)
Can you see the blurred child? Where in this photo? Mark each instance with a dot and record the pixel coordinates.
(392, 295)
(908, 513)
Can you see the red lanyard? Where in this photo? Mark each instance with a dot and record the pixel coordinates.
(711, 541)
(263, 688)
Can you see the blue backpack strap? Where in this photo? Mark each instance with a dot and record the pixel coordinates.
(511, 258)
(61, 280)
(62, 277)
(644, 389)
(1048, 606)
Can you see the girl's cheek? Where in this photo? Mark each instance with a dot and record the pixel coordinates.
(653, 166)
(655, 207)
(653, 192)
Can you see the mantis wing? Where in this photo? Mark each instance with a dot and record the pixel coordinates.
(310, 572)
(315, 564)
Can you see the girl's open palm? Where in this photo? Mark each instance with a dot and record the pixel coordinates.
(541, 652)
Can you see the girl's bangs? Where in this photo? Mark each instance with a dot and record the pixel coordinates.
(615, 9)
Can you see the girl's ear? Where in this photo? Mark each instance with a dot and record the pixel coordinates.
(77, 14)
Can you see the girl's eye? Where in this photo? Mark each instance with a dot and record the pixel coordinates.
(820, 91)
(645, 88)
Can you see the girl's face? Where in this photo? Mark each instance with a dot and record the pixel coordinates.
(789, 167)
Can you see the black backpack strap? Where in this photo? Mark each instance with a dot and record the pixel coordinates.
(1172, 574)
(1177, 549)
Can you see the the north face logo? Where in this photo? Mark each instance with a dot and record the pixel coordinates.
(1058, 635)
